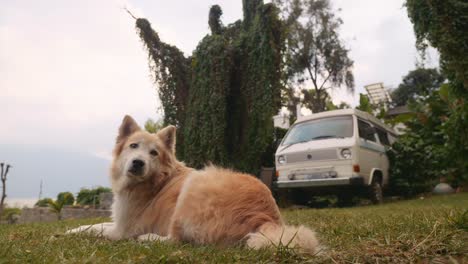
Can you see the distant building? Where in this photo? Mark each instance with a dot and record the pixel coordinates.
(281, 120)
(377, 93)
(398, 111)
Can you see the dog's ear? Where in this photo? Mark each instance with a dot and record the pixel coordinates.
(168, 136)
(128, 127)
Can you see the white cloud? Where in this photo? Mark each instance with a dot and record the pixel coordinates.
(70, 70)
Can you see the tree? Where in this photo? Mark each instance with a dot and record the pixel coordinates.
(309, 100)
(57, 206)
(66, 198)
(224, 96)
(365, 104)
(153, 126)
(3, 177)
(314, 53)
(442, 24)
(417, 83)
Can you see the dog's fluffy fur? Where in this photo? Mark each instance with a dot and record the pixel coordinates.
(168, 201)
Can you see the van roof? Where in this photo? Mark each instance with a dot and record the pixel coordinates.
(340, 112)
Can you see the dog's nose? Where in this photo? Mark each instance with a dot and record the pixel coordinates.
(138, 164)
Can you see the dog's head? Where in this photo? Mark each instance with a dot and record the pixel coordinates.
(140, 156)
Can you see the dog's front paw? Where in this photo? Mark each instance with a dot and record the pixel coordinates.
(152, 237)
(102, 229)
(80, 229)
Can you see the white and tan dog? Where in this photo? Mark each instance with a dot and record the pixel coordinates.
(156, 197)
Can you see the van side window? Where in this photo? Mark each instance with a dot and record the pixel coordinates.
(383, 137)
(364, 131)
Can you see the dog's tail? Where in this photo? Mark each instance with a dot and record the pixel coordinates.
(273, 235)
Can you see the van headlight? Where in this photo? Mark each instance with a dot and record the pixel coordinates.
(346, 153)
(281, 160)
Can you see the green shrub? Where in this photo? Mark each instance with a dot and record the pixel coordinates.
(90, 196)
(9, 212)
(421, 157)
(44, 202)
(66, 198)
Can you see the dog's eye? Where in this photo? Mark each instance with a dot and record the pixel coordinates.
(153, 152)
(134, 145)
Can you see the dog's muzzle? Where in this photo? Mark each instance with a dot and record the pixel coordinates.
(137, 167)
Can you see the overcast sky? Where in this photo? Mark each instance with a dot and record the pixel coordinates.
(70, 70)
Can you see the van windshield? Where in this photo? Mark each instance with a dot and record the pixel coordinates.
(331, 127)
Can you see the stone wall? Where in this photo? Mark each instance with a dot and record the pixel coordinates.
(105, 200)
(43, 214)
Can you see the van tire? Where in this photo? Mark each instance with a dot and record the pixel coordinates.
(376, 192)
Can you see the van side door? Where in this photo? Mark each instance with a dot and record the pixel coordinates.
(369, 149)
(385, 141)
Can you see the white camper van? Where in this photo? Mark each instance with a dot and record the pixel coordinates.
(335, 151)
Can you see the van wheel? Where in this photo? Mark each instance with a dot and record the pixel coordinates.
(376, 193)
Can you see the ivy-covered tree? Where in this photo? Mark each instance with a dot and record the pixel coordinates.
(442, 24)
(315, 54)
(171, 74)
(224, 96)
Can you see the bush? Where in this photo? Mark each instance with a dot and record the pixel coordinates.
(9, 212)
(90, 196)
(44, 202)
(66, 198)
(421, 157)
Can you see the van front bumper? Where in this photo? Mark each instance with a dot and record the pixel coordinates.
(320, 182)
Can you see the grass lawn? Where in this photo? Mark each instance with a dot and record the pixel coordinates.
(430, 230)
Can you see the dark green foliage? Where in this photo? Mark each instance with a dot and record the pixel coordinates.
(44, 202)
(66, 198)
(250, 8)
(90, 196)
(260, 72)
(417, 83)
(223, 98)
(206, 123)
(442, 24)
